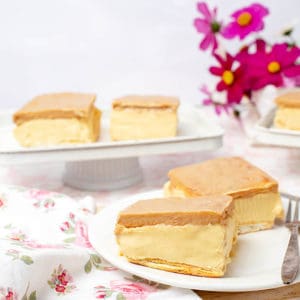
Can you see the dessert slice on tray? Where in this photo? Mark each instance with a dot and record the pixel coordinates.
(61, 118)
(143, 117)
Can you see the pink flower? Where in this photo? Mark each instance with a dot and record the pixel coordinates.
(61, 281)
(60, 288)
(100, 292)
(82, 235)
(210, 101)
(71, 216)
(17, 236)
(208, 25)
(7, 294)
(132, 290)
(233, 79)
(65, 226)
(36, 245)
(62, 278)
(1, 202)
(270, 66)
(246, 20)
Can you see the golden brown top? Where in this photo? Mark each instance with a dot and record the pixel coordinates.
(232, 176)
(56, 105)
(290, 99)
(136, 101)
(177, 211)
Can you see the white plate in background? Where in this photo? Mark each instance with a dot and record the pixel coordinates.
(266, 134)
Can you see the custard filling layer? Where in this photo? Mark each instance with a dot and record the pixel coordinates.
(38, 132)
(142, 123)
(203, 246)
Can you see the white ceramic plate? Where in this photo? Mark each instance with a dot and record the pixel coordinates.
(195, 132)
(256, 264)
(266, 134)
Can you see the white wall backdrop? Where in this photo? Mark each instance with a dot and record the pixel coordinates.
(111, 47)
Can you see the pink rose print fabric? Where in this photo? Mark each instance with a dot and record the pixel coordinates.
(44, 238)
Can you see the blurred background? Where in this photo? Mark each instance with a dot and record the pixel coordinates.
(111, 47)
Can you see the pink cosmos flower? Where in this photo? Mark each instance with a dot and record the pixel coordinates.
(246, 20)
(81, 232)
(233, 79)
(208, 25)
(210, 101)
(132, 290)
(271, 66)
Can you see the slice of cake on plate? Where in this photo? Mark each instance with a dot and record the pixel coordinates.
(143, 117)
(60, 118)
(288, 111)
(255, 193)
(189, 236)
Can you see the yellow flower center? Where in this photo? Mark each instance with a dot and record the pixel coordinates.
(244, 19)
(228, 77)
(273, 67)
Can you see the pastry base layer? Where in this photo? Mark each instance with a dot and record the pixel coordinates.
(44, 132)
(142, 123)
(202, 250)
(287, 118)
(252, 213)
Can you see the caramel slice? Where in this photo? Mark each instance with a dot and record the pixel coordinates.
(190, 236)
(256, 196)
(143, 117)
(58, 119)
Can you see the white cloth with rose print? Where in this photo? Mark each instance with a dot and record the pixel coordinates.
(45, 253)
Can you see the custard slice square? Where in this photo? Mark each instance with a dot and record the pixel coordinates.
(143, 117)
(287, 115)
(255, 193)
(58, 118)
(189, 236)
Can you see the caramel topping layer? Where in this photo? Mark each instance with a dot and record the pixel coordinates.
(291, 99)
(154, 102)
(177, 211)
(232, 176)
(59, 105)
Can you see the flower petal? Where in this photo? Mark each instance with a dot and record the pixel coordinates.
(221, 86)
(230, 31)
(216, 71)
(202, 26)
(293, 71)
(208, 39)
(203, 8)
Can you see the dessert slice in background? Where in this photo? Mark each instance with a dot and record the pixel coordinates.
(189, 236)
(255, 193)
(60, 118)
(288, 111)
(143, 117)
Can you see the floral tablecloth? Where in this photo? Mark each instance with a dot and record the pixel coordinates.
(44, 248)
(45, 253)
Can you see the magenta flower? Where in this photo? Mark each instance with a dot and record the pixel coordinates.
(246, 20)
(271, 66)
(208, 25)
(233, 79)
